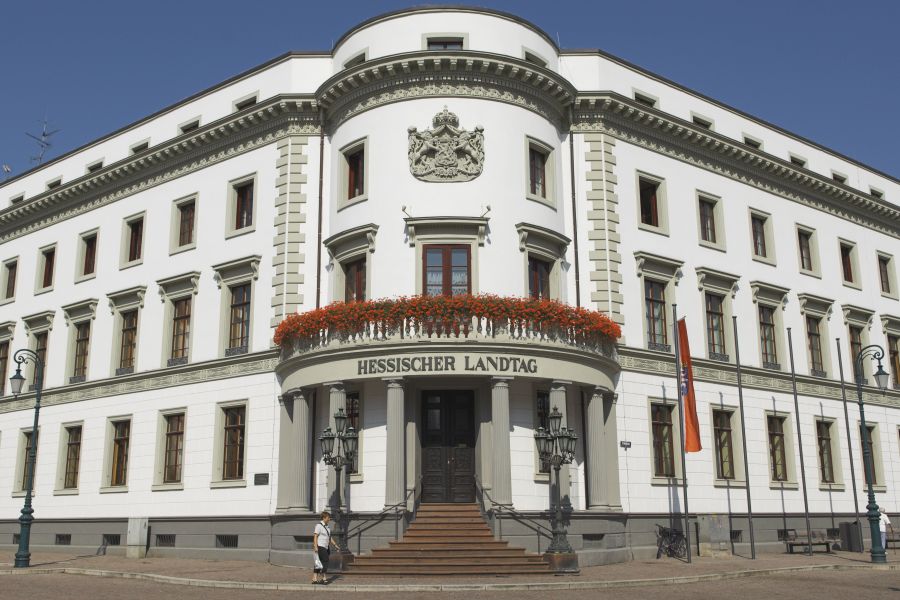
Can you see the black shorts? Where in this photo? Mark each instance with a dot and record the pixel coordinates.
(323, 558)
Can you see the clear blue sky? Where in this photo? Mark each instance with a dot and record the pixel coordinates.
(823, 69)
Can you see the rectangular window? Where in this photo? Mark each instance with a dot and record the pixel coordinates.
(174, 448)
(188, 127)
(655, 297)
(814, 343)
(233, 451)
(90, 254)
(826, 462)
(838, 177)
(777, 455)
(73, 456)
(446, 270)
(758, 226)
(649, 202)
(796, 160)
(847, 262)
(352, 404)
(542, 417)
(247, 103)
(40, 348)
(243, 205)
(445, 43)
(645, 100)
(537, 172)
(876, 193)
(140, 147)
(856, 345)
(135, 239)
(30, 438)
(752, 142)
(804, 242)
(82, 348)
(48, 258)
(356, 174)
(11, 269)
(884, 265)
(181, 327)
(186, 211)
(55, 183)
(94, 167)
(708, 221)
(4, 364)
(724, 447)
(239, 323)
(715, 325)
(868, 439)
(663, 443)
(119, 467)
(539, 278)
(355, 280)
(767, 335)
(894, 356)
(704, 123)
(129, 339)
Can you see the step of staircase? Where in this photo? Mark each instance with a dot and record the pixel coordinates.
(448, 539)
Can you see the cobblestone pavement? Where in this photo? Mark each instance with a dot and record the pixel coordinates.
(805, 586)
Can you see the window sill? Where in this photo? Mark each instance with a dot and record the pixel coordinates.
(114, 489)
(233, 233)
(21, 494)
(7, 301)
(176, 362)
(542, 477)
(764, 259)
(133, 263)
(166, 487)
(712, 245)
(40, 291)
(831, 487)
(88, 277)
(729, 483)
(881, 489)
(66, 492)
(652, 229)
(548, 202)
(351, 201)
(783, 485)
(890, 296)
(667, 481)
(356, 478)
(851, 285)
(815, 274)
(180, 249)
(228, 483)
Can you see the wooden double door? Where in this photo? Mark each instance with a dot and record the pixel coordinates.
(448, 446)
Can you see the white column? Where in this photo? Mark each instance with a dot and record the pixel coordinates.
(558, 401)
(302, 431)
(595, 437)
(501, 475)
(337, 399)
(611, 435)
(395, 469)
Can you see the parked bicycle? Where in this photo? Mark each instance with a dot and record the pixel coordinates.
(670, 542)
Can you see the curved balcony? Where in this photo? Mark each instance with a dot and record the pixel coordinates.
(459, 335)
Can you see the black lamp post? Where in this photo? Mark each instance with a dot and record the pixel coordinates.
(340, 457)
(881, 378)
(557, 447)
(16, 382)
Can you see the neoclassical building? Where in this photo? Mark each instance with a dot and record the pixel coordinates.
(443, 152)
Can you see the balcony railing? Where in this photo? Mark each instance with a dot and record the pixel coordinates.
(489, 318)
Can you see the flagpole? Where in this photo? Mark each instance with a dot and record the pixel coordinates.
(737, 361)
(682, 416)
(837, 342)
(800, 445)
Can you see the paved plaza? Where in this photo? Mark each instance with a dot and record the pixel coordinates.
(841, 575)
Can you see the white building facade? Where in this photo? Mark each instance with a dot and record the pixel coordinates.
(443, 151)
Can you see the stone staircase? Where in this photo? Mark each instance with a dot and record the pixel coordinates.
(448, 539)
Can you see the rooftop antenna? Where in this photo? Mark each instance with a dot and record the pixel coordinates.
(43, 141)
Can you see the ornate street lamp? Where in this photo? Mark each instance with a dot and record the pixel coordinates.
(557, 447)
(876, 353)
(16, 383)
(339, 457)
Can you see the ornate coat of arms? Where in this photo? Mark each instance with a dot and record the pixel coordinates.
(446, 152)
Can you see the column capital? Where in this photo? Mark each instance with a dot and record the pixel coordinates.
(334, 385)
(498, 381)
(558, 383)
(393, 382)
(289, 395)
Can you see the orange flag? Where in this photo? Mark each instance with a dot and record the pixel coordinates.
(691, 424)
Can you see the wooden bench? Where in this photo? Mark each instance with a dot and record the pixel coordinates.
(818, 539)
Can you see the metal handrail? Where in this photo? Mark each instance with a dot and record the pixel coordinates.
(538, 528)
(392, 509)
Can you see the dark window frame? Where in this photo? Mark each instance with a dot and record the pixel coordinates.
(724, 444)
(661, 418)
(121, 434)
(777, 450)
(82, 348)
(539, 270)
(804, 245)
(234, 442)
(768, 342)
(826, 456)
(847, 262)
(49, 261)
(73, 456)
(648, 192)
(447, 251)
(181, 327)
(355, 279)
(758, 230)
(356, 171)
(537, 171)
(243, 204)
(186, 214)
(89, 264)
(707, 208)
(12, 271)
(128, 344)
(715, 324)
(814, 343)
(239, 315)
(655, 312)
(174, 450)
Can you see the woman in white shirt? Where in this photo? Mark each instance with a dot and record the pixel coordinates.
(322, 543)
(883, 524)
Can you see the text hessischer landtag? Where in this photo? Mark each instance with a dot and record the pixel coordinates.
(443, 363)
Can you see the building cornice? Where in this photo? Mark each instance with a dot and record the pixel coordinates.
(623, 118)
(460, 73)
(236, 134)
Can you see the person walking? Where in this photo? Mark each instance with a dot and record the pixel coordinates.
(322, 543)
(884, 523)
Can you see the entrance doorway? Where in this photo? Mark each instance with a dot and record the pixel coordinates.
(448, 446)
